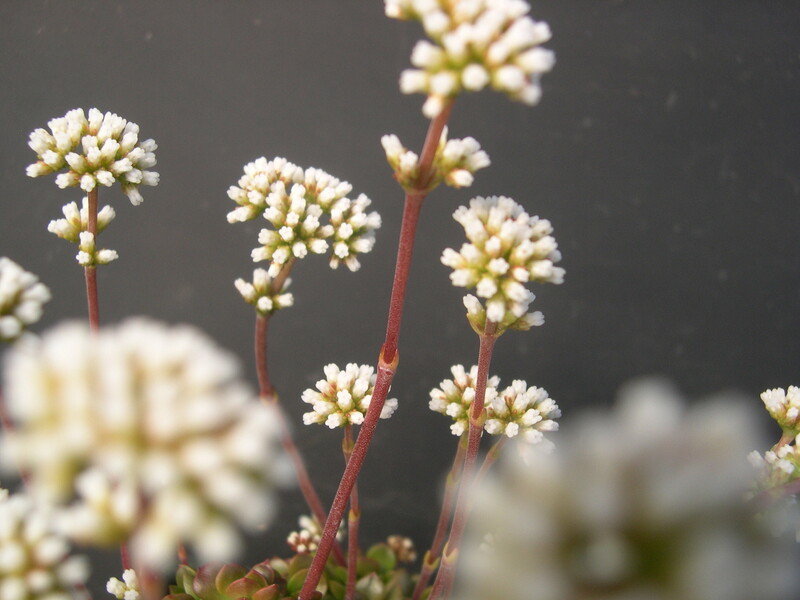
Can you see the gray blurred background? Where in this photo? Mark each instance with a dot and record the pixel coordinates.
(665, 152)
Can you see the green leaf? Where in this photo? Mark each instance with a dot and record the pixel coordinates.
(384, 556)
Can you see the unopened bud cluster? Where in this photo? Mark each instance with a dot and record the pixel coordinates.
(35, 562)
(507, 249)
(307, 538)
(517, 410)
(343, 397)
(260, 293)
(74, 227)
(455, 163)
(296, 202)
(474, 44)
(95, 150)
(22, 296)
(784, 406)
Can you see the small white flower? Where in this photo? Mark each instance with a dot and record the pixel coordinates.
(343, 397)
(474, 44)
(353, 230)
(306, 540)
(454, 396)
(98, 149)
(260, 293)
(88, 255)
(22, 297)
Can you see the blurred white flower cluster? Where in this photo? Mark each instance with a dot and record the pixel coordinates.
(645, 502)
(35, 563)
(454, 162)
(74, 227)
(127, 589)
(260, 294)
(507, 249)
(148, 432)
(295, 201)
(343, 397)
(515, 410)
(22, 297)
(306, 539)
(475, 44)
(98, 149)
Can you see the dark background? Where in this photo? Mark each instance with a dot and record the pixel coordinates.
(664, 151)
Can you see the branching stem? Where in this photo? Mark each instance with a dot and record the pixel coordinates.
(388, 359)
(477, 418)
(431, 560)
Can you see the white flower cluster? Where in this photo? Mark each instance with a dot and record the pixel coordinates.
(778, 466)
(149, 429)
(35, 563)
(307, 539)
(74, 227)
(642, 502)
(507, 248)
(784, 406)
(343, 397)
(454, 396)
(455, 162)
(261, 295)
(525, 411)
(127, 589)
(295, 201)
(476, 43)
(77, 220)
(516, 410)
(100, 149)
(22, 296)
(403, 548)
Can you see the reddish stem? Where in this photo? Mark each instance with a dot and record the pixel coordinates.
(90, 273)
(476, 420)
(431, 560)
(268, 395)
(387, 361)
(352, 522)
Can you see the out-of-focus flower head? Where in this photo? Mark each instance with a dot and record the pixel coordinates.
(296, 202)
(524, 411)
(35, 563)
(22, 297)
(343, 397)
(261, 295)
(306, 539)
(149, 431)
(643, 502)
(775, 488)
(403, 548)
(474, 44)
(784, 406)
(454, 396)
(127, 589)
(507, 249)
(98, 149)
(455, 162)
